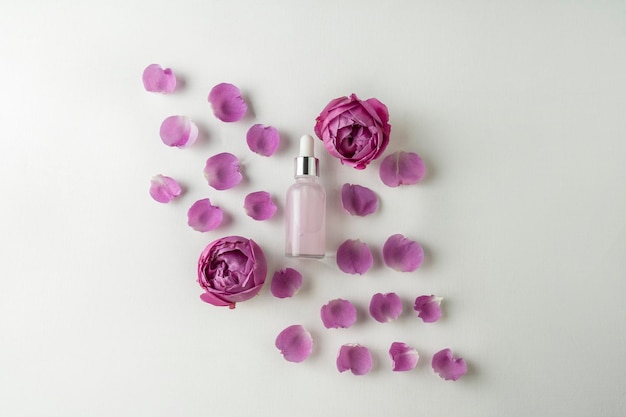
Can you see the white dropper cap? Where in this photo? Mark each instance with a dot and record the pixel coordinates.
(306, 146)
(306, 163)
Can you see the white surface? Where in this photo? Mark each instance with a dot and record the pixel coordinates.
(516, 107)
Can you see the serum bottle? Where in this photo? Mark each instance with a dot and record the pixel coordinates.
(305, 208)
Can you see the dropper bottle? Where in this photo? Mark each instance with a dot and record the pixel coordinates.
(305, 208)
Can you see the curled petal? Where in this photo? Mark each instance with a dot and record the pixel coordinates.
(354, 358)
(164, 189)
(385, 307)
(263, 140)
(286, 283)
(259, 205)
(402, 168)
(158, 80)
(295, 343)
(354, 257)
(428, 308)
(227, 103)
(358, 200)
(222, 171)
(338, 313)
(178, 131)
(447, 366)
(402, 254)
(403, 356)
(203, 216)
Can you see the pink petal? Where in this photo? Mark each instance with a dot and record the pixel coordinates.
(354, 257)
(428, 308)
(338, 313)
(164, 189)
(222, 171)
(286, 283)
(402, 168)
(294, 343)
(263, 140)
(403, 356)
(259, 205)
(402, 254)
(158, 80)
(354, 358)
(203, 217)
(178, 131)
(447, 366)
(227, 103)
(385, 307)
(358, 200)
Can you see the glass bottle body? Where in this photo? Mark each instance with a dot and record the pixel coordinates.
(305, 216)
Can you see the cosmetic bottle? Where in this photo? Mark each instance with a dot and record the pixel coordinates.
(305, 207)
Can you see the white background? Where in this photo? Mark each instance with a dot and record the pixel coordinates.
(518, 109)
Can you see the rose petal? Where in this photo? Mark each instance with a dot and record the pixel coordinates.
(358, 200)
(402, 168)
(178, 131)
(286, 283)
(402, 254)
(403, 356)
(447, 366)
(428, 308)
(295, 343)
(158, 80)
(203, 216)
(227, 103)
(164, 189)
(354, 257)
(385, 307)
(222, 171)
(354, 358)
(259, 205)
(338, 313)
(263, 140)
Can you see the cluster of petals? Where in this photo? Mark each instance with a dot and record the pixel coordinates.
(158, 80)
(354, 257)
(178, 131)
(294, 343)
(223, 171)
(447, 366)
(263, 140)
(385, 307)
(259, 205)
(203, 216)
(428, 308)
(164, 189)
(402, 254)
(403, 357)
(358, 200)
(402, 168)
(338, 313)
(354, 358)
(227, 103)
(286, 283)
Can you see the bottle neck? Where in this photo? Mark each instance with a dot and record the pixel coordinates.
(306, 166)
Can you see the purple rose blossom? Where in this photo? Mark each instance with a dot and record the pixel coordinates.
(355, 131)
(230, 270)
(294, 343)
(447, 366)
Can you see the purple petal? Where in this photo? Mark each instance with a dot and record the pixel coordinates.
(178, 131)
(222, 171)
(358, 200)
(354, 358)
(402, 168)
(227, 103)
(286, 283)
(385, 307)
(338, 313)
(164, 189)
(294, 343)
(203, 217)
(259, 205)
(403, 356)
(263, 140)
(402, 254)
(447, 366)
(354, 257)
(158, 80)
(428, 308)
